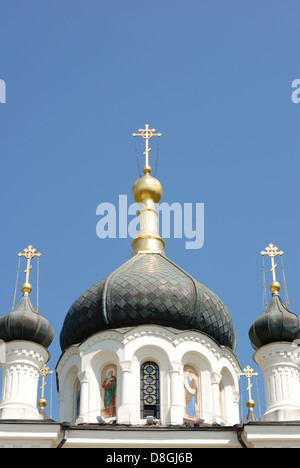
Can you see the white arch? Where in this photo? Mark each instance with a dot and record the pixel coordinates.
(229, 396)
(98, 361)
(203, 366)
(68, 395)
(154, 352)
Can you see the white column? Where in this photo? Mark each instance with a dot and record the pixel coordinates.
(215, 383)
(20, 378)
(124, 408)
(84, 398)
(62, 406)
(234, 415)
(176, 394)
(280, 364)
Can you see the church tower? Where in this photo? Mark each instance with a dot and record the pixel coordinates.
(26, 336)
(274, 336)
(149, 343)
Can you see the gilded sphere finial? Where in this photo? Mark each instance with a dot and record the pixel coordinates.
(147, 187)
(26, 288)
(42, 403)
(275, 287)
(250, 404)
(147, 169)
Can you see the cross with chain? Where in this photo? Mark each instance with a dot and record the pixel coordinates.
(44, 372)
(249, 373)
(29, 254)
(147, 133)
(272, 252)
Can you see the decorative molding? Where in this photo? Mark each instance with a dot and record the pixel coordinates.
(175, 338)
(216, 378)
(175, 367)
(73, 350)
(125, 366)
(84, 376)
(21, 352)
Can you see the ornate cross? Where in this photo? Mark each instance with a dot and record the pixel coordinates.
(147, 134)
(29, 254)
(44, 372)
(248, 373)
(271, 251)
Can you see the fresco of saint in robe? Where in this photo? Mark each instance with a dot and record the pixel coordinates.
(109, 391)
(191, 393)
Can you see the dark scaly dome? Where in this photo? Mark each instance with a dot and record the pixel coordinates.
(25, 324)
(277, 324)
(148, 289)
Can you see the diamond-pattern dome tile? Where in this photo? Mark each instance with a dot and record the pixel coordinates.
(148, 289)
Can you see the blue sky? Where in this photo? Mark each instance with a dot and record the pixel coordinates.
(214, 77)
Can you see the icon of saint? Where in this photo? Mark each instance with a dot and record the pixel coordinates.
(190, 393)
(110, 390)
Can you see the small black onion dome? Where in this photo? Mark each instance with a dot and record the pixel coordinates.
(277, 324)
(25, 324)
(148, 289)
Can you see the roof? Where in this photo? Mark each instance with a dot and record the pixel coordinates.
(24, 323)
(148, 289)
(277, 324)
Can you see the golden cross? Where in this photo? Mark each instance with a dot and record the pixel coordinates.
(271, 251)
(248, 373)
(147, 133)
(29, 254)
(44, 372)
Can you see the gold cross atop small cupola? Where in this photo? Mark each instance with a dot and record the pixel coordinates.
(272, 252)
(29, 254)
(249, 373)
(147, 133)
(44, 372)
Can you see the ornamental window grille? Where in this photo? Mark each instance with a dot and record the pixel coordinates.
(150, 390)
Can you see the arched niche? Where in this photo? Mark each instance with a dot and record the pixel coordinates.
(69, 395)
(155, 354)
